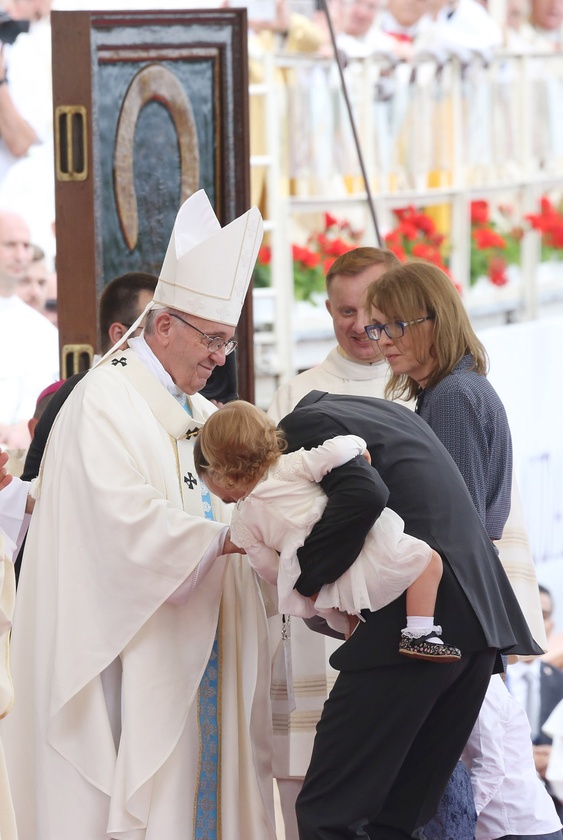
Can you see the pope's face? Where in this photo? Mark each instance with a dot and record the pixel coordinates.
(347, 306)
(185, 355)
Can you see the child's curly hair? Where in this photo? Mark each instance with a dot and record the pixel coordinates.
(236, 444)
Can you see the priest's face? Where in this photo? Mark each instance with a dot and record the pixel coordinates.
(182, 348)
(347, 306)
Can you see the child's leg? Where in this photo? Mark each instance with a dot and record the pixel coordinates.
(421, 595)
(421, 638)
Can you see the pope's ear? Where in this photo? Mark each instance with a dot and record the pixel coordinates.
(162, 325)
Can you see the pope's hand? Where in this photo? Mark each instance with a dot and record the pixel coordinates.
(229, 546)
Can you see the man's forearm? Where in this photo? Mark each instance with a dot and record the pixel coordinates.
(16, 132)
(356, 497)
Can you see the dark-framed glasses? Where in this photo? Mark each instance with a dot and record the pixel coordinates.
(394, 329)
(213, 342)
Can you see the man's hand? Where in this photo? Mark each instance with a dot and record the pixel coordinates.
(5, 476)
(541, 758)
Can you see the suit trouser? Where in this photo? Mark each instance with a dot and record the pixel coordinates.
(386, 744)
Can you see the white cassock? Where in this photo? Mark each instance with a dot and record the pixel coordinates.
(7, 595)
(118, 527)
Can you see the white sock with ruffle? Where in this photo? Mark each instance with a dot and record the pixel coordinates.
(421, 625)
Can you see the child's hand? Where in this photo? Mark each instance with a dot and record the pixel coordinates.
(367, 456)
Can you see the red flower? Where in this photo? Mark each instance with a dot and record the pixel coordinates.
(546, 207)
(479, 212)
(265, 255)
(425, 224)
(486, 238)
(399, 252)
(338, 247)
(330, 221)
(306, 257)
(405, 212)
(408, 230)
(497, 272)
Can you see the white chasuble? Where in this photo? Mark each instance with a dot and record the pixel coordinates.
(117, 528)
(7, 597)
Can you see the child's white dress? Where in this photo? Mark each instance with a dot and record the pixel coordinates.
(280, 512)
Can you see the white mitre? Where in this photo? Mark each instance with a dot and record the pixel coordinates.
(207, 269)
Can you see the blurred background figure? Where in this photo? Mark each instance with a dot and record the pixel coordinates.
(538, 687)
(546, 17)
(27, 183)
(29, 344)
(33, 286)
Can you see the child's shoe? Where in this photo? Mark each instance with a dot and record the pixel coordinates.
(418, 647)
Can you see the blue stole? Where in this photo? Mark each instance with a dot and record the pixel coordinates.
(207, 817)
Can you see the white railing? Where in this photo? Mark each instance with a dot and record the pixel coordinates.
(432, 135)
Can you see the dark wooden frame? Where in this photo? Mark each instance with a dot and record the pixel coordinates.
(78, 52)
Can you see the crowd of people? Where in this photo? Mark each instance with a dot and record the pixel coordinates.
(399, 29)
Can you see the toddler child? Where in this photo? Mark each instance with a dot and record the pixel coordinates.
(238, 454)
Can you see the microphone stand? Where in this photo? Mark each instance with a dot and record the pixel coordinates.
(338, 60)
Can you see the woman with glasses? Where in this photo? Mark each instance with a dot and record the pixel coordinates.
(424, 332)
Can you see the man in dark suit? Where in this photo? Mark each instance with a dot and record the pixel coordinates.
(393, 729)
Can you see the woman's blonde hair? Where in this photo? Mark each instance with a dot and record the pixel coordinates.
(237, 444)
(419, 288)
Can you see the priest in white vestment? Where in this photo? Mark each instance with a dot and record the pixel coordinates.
(140, 663)
(7, 595)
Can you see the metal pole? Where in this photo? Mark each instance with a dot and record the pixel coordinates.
(353, 124)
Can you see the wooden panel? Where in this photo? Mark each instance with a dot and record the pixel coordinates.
(165, 98)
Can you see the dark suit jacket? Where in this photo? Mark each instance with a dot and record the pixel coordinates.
(413, 474)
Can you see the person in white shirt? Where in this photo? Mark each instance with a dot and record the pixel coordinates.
(29, 344)
(510, 800)
(27, 172)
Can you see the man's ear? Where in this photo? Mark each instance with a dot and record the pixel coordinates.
(162, 325)
(116, 332)
(31, 424)
(328, 306)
